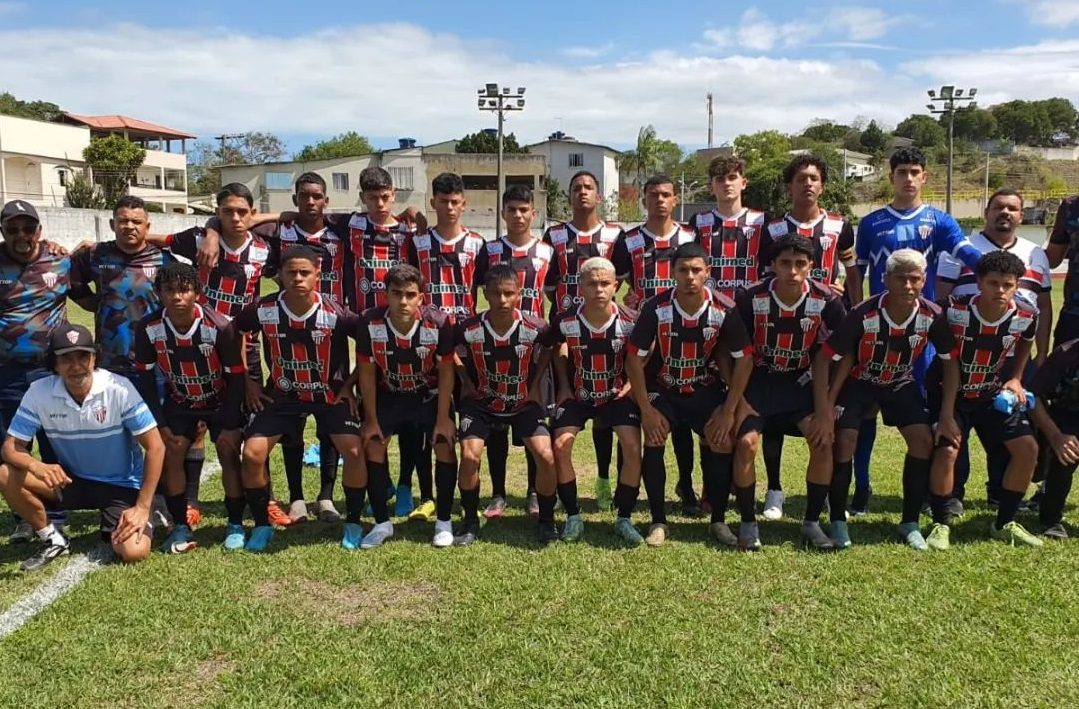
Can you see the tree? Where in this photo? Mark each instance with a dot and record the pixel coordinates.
(1023, 122)
(37, 110)
(114, 160)
(643, 159)
(764, 145)
(1062, 118)
(249, 149)
(822, 130)
(82, 193)
(972, 123)
(557, 200)
(346, 145)
(487, 142)
(874, 139)
(923, 130)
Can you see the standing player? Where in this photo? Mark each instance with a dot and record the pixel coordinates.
(504, 355)
(876, 348)
(590, 341)
(788, 315)
(1064, 242)
(681, 333)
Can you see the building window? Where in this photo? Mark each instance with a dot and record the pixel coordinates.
(480, 182)
(340, 181)
(402, 178)
(279, 180)
(576, 159)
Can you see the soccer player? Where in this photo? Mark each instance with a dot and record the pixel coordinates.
(989, 327)
(99, 428)
(590, 341)
(832, 237)
(505, 352)
(1056, 414)
(681, 333)
(198, 352)
(906, 223)
(1064, 242)
(876, 348)
(788, 315)
(304, 340)
(406, 374)
(531, 259)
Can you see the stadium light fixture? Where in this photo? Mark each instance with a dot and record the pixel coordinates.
(500, 99)
(950, 100)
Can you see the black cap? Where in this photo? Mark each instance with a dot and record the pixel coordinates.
(18, 208)
(71, 338)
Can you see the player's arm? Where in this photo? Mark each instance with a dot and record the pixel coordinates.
(839, 349)
(368, 391)
(952, 240)
(947, 429)
(447, 376)
(138, 421)
(1056, 248)
(561, 374)
(738, 348)
(16, 452)
(82, 278)
(1046, 380)
(948, 271)
(642, 340)
(543, 363)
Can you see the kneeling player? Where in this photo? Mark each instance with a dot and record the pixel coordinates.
(876, 348)
(589, 366)
(1056, 386)
(405, 351)
(787, 316)
(305, 342)
(198, 352)
(504, 355)
(989, 327)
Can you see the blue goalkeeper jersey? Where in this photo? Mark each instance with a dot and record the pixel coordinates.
(923, 228)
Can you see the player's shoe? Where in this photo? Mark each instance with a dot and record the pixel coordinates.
(604, 499)
(859, 504)
(194, 516)
(468, 533)
(691, 506)
(657, 535)
(378, 534)
(532, 504)
(749, 536)
(573, 530)
(546, 531)
(234, 537)
(955, 508)
(424, 513)
(627, 532)
(814, 538)
(297, 511)
(277, 516)
(179, 541)
(53, 548)
(839, 534)
(1056, 532)
(912, 535)
(260, 538)
(1015, 535)
(327, 513)
(403, 506)
(22, 534)
(773, 505)
(497, 508)
(940, 538)
(723, 534)
(443, 534)
(352, 536)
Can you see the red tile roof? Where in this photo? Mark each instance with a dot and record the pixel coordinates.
(132, 124)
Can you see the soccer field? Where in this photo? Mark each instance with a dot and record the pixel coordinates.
(507, 623)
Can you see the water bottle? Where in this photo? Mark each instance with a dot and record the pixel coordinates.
(1006, 401)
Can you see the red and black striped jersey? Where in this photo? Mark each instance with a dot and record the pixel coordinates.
(375, 249)
(786, 337)
(646, 261)
(531, 261)
(833, 243)
(734, 247)
(448, 268)
(502, 365)
(195, 361)
(596, 355)
(307, 353)
(332, 248)
(683, 345)
(982, 348)
(571, 249)
(234, 282)
(885, 351)
(405, 361)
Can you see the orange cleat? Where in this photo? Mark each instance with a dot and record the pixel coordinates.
(194, 516)
(278, 518)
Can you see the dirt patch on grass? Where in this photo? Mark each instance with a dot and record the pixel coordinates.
(207, 672)
(351, 606)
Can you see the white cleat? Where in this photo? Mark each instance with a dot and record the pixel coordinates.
(773, 505)
(378, 534)
(443, 534)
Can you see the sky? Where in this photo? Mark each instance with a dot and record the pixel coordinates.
(598, 71)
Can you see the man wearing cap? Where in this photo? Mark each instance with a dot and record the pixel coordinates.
(34, 278)
(100, 428)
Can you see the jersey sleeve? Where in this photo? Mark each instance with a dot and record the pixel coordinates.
(363, 341)
(27, 421)
(444, 348)
(743, 306)
(644, 331)
(862, 245)
(845, 338)
(479, 272)
(143, 355)
(82, 273)
(621, 259)
(832, 318)
(941, 336)
(268, 232)
(184, 243)
(845, 247)
(735, 336)
(229, 344)
(136, 414)
(1055, 369)
(1066, 223)
(408, 253)
(950, 239)
(1039, 263)
(948, 269)
(248, 319)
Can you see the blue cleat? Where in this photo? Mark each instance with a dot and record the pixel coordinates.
(260, 538)
(234, 537)
(404, 506)
(179, 541)
(352, 537)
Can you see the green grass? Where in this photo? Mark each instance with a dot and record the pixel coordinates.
(509, 624)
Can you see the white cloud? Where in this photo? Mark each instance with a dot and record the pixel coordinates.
(834, 27)
(588, 52)
(1054, 13)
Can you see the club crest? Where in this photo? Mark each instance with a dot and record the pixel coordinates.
(149, 272)
(49, 278)
(72, 336)
(914, 341)
(925, 231)
(206, 349)
(806, 323)
(99, 411)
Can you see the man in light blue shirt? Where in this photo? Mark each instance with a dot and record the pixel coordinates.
(99, 428)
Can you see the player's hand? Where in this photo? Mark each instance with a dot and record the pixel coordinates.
(168, 437)
(1016, 387)
(255, 398)
(655, 426)
(413, 218)
(132, 522)
(288, 216)
(209, 250)
(1066, 448)
(54, 249)
(837, 288)
(624, 391)
(820, 431)
(50, 473)
(948, 431)
(719, 427)
(563, 395)
(84, 245)
(348, 395)
(370, 431)
(445, 431)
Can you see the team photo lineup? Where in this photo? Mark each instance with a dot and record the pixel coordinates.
(732, 335)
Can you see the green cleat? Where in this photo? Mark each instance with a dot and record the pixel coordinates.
(573, 529)
(1015, 535)
(604, 500)
(839, 534)
(627, 532)
(909, 533)
(939, 538)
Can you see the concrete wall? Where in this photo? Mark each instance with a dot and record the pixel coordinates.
(68, 226)
(961, 208)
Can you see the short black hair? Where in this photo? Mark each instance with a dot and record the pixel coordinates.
(795, 243)
(375, 178)
(801, 162)
(302, 251)
(656, 181)
(517, 193)
(584, 173)
(1004, 192)
(906, 156)
(1001, 262)
(129, 202)
(500, 273)
(178, 275)
(691, 250)
(236, 189)
(310, 178)
(448, 183)
(403, 274)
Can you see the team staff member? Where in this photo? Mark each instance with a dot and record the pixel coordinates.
(1064, 242)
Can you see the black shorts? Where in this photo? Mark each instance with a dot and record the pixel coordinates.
(614, 413)
(992, 426)
(478, 422)
(184, 422)
(110, 500)
(688, 410)
(900, 406)
(279, 419)
(399, 411)
(781, 401)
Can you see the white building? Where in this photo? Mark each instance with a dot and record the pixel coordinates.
(566, 156)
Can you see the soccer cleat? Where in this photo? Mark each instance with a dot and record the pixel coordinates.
(859, 504)
(424, 513)
(1015, 535)
(378, 534)
(179, 541)
(234, 537)
(991, 502)
(443, 534)
(749, 537)
(546, 531)
(954, 506)
(327, 513)
(468, 534)
(909, 533)
(22, 534)
(813, 537)
(1056, 531)
(773, 504)
(54, 547)
(497, 508)
(627, 532)
(723, 534)
(297, 511)
(277, 516)
(573, 530)
(691, 506)
(940, 538)
(194, 516)
(657, 535)
(403, 507)
(604, 500)
(706, 508)
(839, 534)
(532, 505)
(260, 538)
(352, 536)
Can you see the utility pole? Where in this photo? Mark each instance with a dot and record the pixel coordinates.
(500, 99)
(949, 100)
(710, 119)
(221, 140)
(985, 200)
